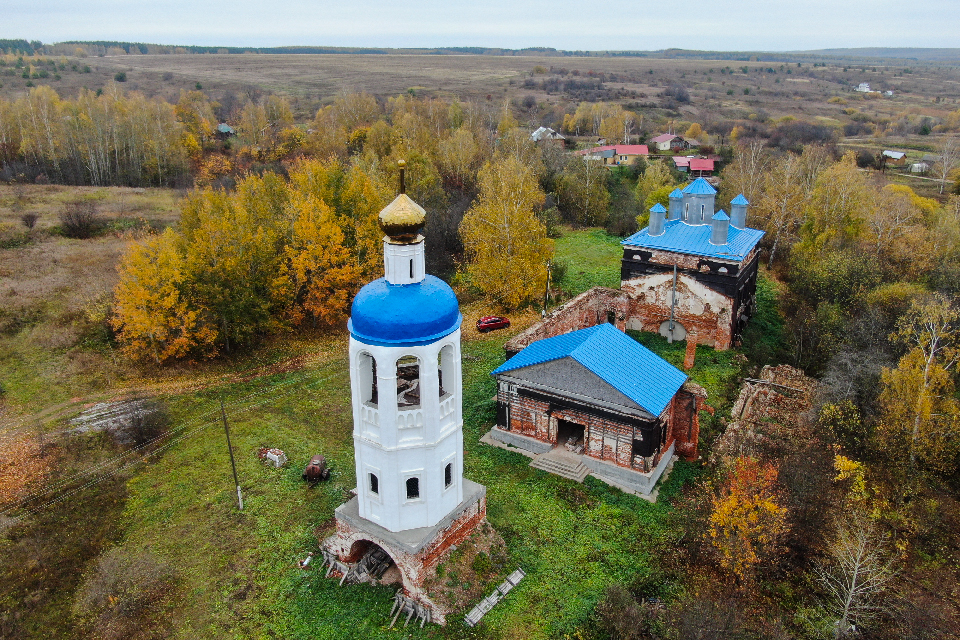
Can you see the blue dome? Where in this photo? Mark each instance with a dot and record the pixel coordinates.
(394, 315)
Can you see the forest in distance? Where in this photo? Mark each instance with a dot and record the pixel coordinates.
(839, 521)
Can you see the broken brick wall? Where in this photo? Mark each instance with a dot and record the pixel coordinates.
(705, 315)
(604, 438)
(590, 308)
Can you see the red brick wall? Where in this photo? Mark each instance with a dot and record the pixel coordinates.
(586, 310)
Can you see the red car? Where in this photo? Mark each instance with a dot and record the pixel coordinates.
(490, 323)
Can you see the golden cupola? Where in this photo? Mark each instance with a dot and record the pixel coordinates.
(403, 218)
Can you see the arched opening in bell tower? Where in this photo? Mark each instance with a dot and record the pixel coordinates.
(367, 374)
(374, 563)
(408, 382)
(445, 364)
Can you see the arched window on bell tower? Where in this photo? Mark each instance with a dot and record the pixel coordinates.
(408, 382)
(367, 370)
(445, 365)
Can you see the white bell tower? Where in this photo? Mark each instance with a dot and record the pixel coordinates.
(406, 384)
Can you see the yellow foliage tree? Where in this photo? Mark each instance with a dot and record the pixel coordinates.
(505, 241)
(152, 315)
(319, 277)
(747, 522)
(920, 413)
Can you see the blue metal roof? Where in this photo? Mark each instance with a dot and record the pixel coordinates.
(739, 200)
(394, 315)
(614, 357)
(721, 215)
(680, 237)
(700, 187)
(657, 208)
(676, 193)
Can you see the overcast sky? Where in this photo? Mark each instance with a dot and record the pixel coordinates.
(773, 25)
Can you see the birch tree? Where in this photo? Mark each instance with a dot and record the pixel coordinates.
(506, 243)
(860, 569)
(920, 412)
(948, 158)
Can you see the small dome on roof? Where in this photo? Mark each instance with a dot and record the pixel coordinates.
(739, 200)
(700, 187)
(404, 315)
(676, 193)
(657, 208)
(402, 219)
(721, 215)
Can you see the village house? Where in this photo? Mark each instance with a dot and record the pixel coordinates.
(595, 401)
(617, 154)
(670, 142)
(894, 158)
(696, 167)
(548, 135)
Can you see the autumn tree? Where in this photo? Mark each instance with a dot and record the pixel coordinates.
(746, 172)
(835, 213)
(318, 277)
(195, 112)
(505, 241)
(859, 570)
(153, 314)
(582, 192)
(656, 176)
(947, 159)
(231, 255)
(920, 413)
(748, 521)
(458, 156)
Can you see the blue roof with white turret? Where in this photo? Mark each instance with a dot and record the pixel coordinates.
(676, 193)
(680, 237)
(700, 187)
(739, 200)
(394, 315)
(603, 349)
(657, 208)
(721, 215)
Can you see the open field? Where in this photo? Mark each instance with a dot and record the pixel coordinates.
(718, 88)
(57, 290)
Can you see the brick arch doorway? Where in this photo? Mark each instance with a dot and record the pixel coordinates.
(362, 547)
(567, 430)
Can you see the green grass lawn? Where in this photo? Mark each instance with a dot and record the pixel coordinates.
(592, 257)
(236, 571)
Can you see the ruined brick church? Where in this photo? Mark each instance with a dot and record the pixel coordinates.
(690, 275)
(576, 379)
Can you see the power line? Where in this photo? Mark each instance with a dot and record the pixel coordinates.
(116, 459)
(166, 446)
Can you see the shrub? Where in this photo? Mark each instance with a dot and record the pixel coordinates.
(121, 76)
(80, 219)
(29, 220)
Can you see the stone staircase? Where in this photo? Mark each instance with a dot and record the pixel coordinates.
(562, 463)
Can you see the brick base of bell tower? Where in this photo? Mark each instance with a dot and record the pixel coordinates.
(416, 552)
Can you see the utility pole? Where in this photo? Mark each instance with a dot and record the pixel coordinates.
(546, 290)
(233, 464)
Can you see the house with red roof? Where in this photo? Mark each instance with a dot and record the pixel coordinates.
(616, 155)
